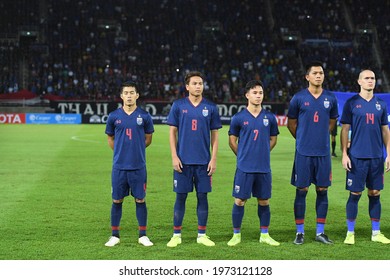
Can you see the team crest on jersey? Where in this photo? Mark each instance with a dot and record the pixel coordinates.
(265, 121)
(349, 182)
(326, 103)
(236, 188)
(205, 112)
(378, 106)
(139, 120)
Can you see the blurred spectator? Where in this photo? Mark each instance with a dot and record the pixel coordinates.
(94, 45)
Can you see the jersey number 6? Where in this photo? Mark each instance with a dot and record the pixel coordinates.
(316, 118)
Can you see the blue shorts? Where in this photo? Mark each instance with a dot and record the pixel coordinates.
(309, 170)
(192, 175)
(257, 184)
(365, 172)
(125, 182)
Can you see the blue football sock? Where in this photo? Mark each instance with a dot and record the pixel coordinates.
(352, 211)
(351, 225)
(321, 210)
(237, 216)
(375, 209)
(142, 215)
(300, 209)
(264, 214)
(116, 215)
(202, 210)
(179, 210)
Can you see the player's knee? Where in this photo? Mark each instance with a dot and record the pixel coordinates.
(357, 193)
(373, 192)
(201, 196)
(320, 189)
(181, 196)
(140, 200)
(322, 192)
(263, 202)
(117, 201)
(239, 202)
(301, 192)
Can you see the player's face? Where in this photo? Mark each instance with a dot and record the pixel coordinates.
(129, 96)
(367, 80)
(195, 86)
(255, 95)
(316, 76)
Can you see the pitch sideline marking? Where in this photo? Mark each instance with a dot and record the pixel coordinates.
(77, 138)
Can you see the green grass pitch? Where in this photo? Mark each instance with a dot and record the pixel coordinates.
(55, 204)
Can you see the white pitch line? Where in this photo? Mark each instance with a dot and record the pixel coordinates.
(77, 138)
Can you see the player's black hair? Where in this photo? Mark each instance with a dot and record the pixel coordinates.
(251, 84)
(314, 63)
(192, 74)
(129, 84)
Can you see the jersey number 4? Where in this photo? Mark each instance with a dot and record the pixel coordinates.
(129, 133)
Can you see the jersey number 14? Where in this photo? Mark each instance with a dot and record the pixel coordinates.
(370, 118)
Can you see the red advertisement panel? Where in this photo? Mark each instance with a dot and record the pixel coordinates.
(12, 118)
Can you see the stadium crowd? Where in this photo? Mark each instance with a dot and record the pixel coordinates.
(90, 47)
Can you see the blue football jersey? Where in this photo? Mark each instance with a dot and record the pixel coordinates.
(313, 116)
(194, 127)
(129, 132)
(253, 154)
(365, 118)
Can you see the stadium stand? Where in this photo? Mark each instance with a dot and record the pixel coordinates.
(64, 49)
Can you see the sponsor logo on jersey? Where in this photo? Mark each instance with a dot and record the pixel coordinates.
(246, 123)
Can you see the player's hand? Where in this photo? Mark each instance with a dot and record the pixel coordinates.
(346, 162)
(177, 165)
(387, 163)
(211, 167)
